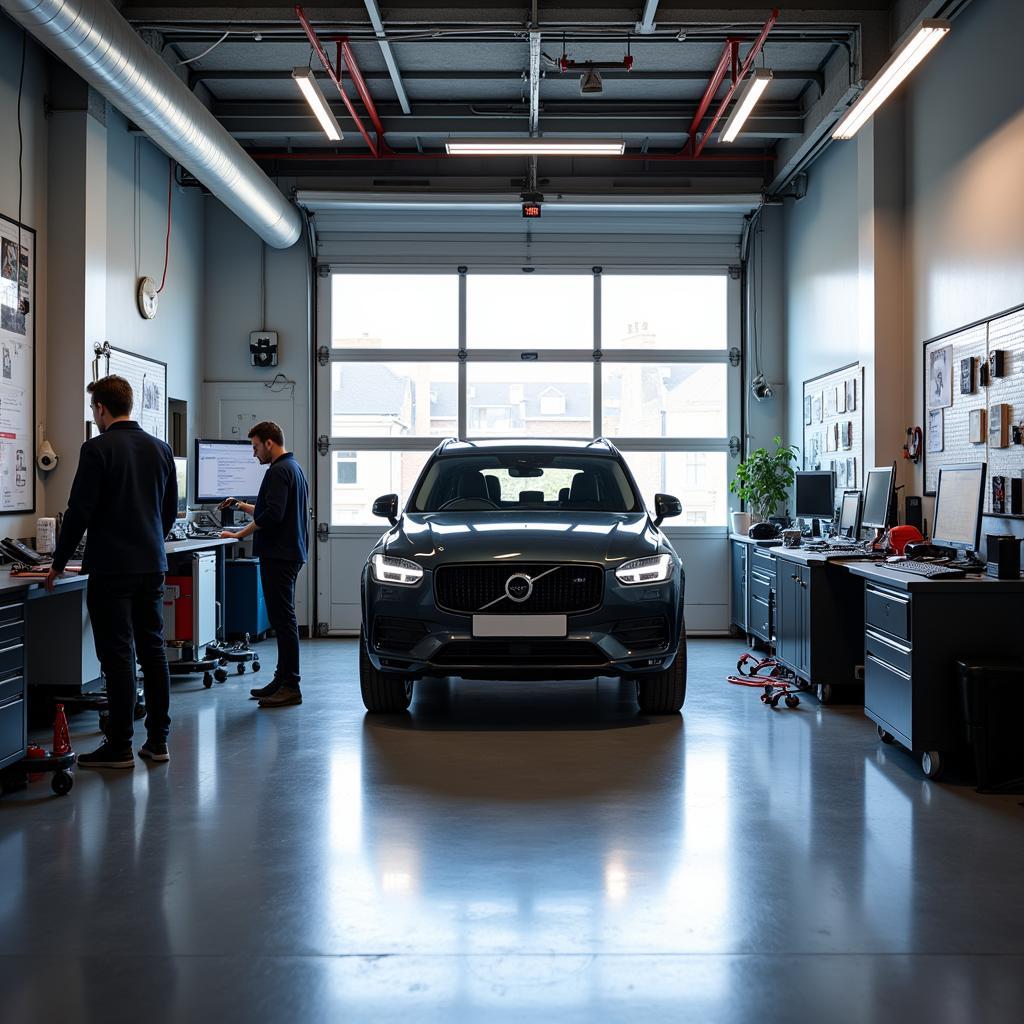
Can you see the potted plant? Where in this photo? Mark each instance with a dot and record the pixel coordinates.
(762, 482)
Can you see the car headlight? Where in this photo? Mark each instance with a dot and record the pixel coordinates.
(395, 570)
(653, 569)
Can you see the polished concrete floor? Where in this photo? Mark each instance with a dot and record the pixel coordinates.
(511, 853)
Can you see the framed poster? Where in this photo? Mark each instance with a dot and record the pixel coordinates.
(940, 391)
(17, 367)
(148, 378)
(935, 430)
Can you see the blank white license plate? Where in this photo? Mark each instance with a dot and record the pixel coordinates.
(519, 625)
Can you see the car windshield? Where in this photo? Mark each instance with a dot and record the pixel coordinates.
(526, 481)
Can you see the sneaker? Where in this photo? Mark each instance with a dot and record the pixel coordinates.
(282, 697)
(107, 756)
(153, 750)
(259, 692)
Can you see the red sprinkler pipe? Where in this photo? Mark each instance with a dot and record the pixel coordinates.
(335, 76)
(730, 56)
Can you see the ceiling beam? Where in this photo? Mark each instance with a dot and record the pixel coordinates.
(389, 58)
(534, 83)
(511, 75)
(645, 26)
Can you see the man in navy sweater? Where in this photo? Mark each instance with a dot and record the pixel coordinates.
(125, 493)
(280, 531)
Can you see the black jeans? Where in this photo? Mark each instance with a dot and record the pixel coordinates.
(278, 578)
(127, 621)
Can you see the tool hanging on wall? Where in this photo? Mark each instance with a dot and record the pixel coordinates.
(912, 448)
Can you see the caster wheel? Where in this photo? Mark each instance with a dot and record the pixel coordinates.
(207, 680)
(220, 675)
(241, 668)
(792, 701)
(824, 693)
(885, 737)
(932, 764)
(255, 666)
(61, 783)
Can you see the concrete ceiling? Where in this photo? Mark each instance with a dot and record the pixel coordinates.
(463, 70)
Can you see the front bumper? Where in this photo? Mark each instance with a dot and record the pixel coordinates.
(635, 631)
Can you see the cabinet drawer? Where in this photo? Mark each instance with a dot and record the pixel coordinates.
(760, 585)
(760, 623)
(14, 612)
(11, 687)
(11, 632)
(888, 651)
(887, 611)
(887, 694)
(12, 658)
(763, 560)
(12, 730)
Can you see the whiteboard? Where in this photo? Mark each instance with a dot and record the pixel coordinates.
(969, 348)
(148, 378)
(17, 368)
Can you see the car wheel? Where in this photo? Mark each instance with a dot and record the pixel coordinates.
(382, 691)
(663, 693)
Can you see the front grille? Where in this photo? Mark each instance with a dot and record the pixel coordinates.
(568, 590)
(520, 653)
(642, 634)
(394, 634)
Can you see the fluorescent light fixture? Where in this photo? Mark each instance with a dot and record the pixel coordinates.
(749, 95)
(535, 147)
(306, 81)
(919, 44)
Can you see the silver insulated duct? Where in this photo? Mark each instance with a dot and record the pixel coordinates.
(102, 48)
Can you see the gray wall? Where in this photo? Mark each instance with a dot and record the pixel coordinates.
(79, 195)
(914, 229)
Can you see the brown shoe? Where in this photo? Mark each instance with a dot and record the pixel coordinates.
(282, 698)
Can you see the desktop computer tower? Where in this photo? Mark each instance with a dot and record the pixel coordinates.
(913, 512)
(246, 610)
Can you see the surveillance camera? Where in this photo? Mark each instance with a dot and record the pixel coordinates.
(46, 457)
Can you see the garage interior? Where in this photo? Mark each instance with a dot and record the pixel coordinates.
(696, 230)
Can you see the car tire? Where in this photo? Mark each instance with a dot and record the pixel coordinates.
(663, 693)
(382, 692)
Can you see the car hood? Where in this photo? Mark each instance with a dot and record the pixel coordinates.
(604, 538)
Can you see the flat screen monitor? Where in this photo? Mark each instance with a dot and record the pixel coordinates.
(849, 514)
(959, 500)
(878, 493)
(226, 469)
(815, 494)
(181, 471)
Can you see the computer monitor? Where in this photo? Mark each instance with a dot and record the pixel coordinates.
(815, 494)
(226, 469)
(181, 471)
(878, 497)
(849, 514)
(959, 502)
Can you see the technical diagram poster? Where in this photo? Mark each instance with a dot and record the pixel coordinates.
(17, 367)
(148, 379)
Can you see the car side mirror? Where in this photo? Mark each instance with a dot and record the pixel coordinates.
(666, 507)
(386, 506)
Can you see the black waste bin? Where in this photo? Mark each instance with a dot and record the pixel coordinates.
(992, 693)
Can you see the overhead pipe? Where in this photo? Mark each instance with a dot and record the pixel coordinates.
(92, 39)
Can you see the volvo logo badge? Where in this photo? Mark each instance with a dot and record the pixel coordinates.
(518, 587)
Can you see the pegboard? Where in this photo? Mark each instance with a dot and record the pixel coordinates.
(1004, 333)
(822, 419)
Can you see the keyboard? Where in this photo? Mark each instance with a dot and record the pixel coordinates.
(930, 570)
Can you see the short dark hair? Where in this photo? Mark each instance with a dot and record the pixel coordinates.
(113, 392)
(266, 431)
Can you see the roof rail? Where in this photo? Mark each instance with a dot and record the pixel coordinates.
(604, 441)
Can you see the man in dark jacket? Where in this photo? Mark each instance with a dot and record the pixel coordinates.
(125, 494)
(280, 531)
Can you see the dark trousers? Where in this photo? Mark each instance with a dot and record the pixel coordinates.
(127, 621)
(278, 578)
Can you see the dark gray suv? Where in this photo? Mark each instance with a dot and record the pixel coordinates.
(524, 559)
